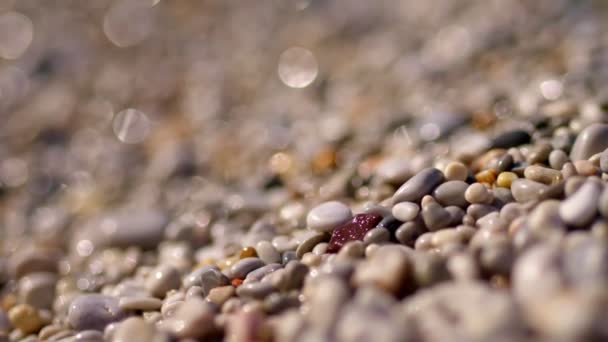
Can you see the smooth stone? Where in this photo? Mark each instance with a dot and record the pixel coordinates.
(257, 290)
(478, 193)
(456, 214)
(435, 216)
(542, 174)
(408, 233)
(557, 159)
(355, 229)
(136, 329)
(511, 138)
(192, 319)
(419, 185)
(374, 208)
(389, 222)
(94, 312)
(591, 140)
(283, 243)
(242, 267)
(504, 163)
(539, 153)
(377, 235)
(451, 193)
(31, 260)
(25, 318)
(604, 161)
(456, 171)
(326, 216)
(37, 289)
(389, 269)
(308, 244)
(220, 295)
(162, 279)
(85, 336)
(546, 216)
(477, 210)
(257, 275)
(581, 207)
(207, 277)
(394, 170)
(405, 211)
(603, 203)
(525, 190)
(140, 303)
(267, 253)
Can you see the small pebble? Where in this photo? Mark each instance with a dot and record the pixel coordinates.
(136, 329)
(326, 216)
(511, 138)
(505, 179)
(456, 171)
(478, 193)
(581, 207)
(419, 185)
(267, 253)
(557, 159)
(451, 193)
(244, 266)
(405, 211)
(219, 295)
(525, 190)
(542, 174)
(591, 140)
(94, 312)
(25, 318)
(435, 216)
(207, 277)
(140, 303)
(162, 279)
(355, 229)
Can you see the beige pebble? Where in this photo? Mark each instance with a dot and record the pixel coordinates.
(162, 279)
(220, 295)
(542, 174)
(586, 168)
(456, 171)
(505, 179)
(25, 318)
(192, 319)
(478, 193)
(136, 329)
(388, 268)
(140, 303)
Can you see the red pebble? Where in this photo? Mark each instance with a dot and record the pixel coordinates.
(236, 282)
(355, 229)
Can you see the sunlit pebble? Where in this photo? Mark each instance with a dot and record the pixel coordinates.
(430, 131)
(131, 126)
(16, 34)
(84, 248)
(129, 22)
(298, 67)
(13, 172)
(551, 89)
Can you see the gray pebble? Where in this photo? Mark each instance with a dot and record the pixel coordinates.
(451, 193)
(525, 190)
(419, 185)
(394, 170)
(581, 207)
(377, 235)
(511, 139)
(405, 211)
(87, 336)
(326, 216)
(288, 256)
(257, 290)
(504, 163)
(308, 244)
(267, 252)
(539, 153)
(257, 275)
(591, 140)
(207, 277)
(192, 319)
(94, 311)
(603, 203)
(557, 159)
(435, 216)
(408, 232)
(478, 193)
(162, 279)
(456, 214)
(242, 267)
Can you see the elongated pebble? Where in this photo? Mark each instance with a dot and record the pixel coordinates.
(267, 252)
(542, 174)
(94, 311)
(242, 267)
(140, 303)
(591, 140)
(525, 190)
(207, 277)
(419, 185)
(326, 216)
(451, 193)
(580, 208)
(308, 244)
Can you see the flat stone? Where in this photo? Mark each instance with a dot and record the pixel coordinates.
(591, 140)
(326, 216)
(451, 193)
(94, 312)
(581, 207)
(419, 185)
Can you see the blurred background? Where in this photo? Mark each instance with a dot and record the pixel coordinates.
(107, 103)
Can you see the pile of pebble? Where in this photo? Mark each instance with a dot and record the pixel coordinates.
(438, 205)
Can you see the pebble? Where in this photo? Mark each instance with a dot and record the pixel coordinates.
(308, 244)
(257, 275)
(355, 229)
(219, 295)
(242, 267)
(32, 259)
(257, 290)
(25, 318)
(435, 216)
(486, 176)
(542, 174)
(603, 203)
(94, 312)
(162, 279)
(505, 179)
(326, 216)
(394, 170)
(511, 138)
(525, 190)
(140, 303)
(504, 163)
(451, 193)
(456, 171)
(581, 207)
(136, 329)
(388, 269)
(604, 161)
(405, 211)
(557, 159)
(207, 277)
(267, 253)
(591, 140)
(478, 193)
(408, 232)
(419, 185)
(192, 319)
(586, 168)
(37, 289)
(377, 235)
(539, 153)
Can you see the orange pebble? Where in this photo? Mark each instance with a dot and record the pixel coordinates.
(236, 282)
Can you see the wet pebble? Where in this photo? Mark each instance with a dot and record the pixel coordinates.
(419, 185)
(94, 311)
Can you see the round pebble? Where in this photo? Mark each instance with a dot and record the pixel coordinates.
(451, 193)
(478, 193)
(456, 171)
(405, 211)
(326, 216)
(94, 312)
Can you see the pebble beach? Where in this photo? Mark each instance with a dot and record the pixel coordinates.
(306, 170)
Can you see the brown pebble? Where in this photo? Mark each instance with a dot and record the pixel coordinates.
(486, 176)
(456, 171)
(586, 168)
